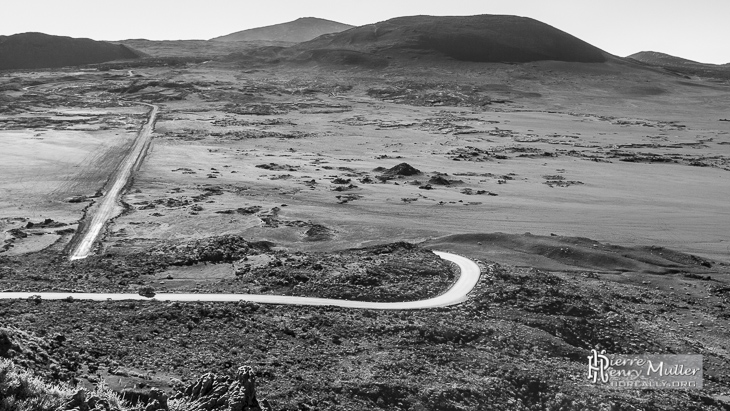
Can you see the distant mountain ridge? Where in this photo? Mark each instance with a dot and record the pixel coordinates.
(482, 38)
(297, 31)
(194, 48)
(39, 50)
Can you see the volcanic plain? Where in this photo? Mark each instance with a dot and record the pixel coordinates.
(593, 195)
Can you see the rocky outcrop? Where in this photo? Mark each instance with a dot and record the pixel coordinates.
(221, 249)
(153, 399)
(214, 393)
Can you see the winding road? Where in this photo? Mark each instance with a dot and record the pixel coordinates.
(468, 279)
(109, 205)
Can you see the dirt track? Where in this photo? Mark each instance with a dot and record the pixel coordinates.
(109, 205)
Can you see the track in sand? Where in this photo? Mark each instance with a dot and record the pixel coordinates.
(109, 205)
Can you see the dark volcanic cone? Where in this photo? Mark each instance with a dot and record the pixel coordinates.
(484, 38)
(38, 50)
(302, 29)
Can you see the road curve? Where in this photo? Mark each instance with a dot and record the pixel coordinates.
(109, 204)
(468, 279)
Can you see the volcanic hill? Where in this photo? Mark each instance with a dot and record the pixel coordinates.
(681, 65)
(299, 30)
(38, 50)
(482, 38)
(662, 59)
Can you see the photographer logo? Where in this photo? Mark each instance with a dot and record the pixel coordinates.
(655, 371)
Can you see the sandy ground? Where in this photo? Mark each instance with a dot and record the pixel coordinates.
(620, 156)
(42, 168)
(673, 204)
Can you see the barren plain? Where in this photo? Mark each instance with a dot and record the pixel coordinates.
(594, 197)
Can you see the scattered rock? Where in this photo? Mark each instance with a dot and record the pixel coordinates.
(439, 180)
(241, 210)
(277, 167)
(147, 291)
(340, 180)
(18, 233)
(78, 199)
(344, 188)
(47, 223)
(318, 232)
(344, 199)
(402, 169)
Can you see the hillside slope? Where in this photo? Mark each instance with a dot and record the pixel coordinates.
(299, 30)
(194, 48)
(681, 65)
(38, 50)
(657, 58)
(483, 38)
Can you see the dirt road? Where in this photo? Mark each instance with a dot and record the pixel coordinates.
(109, 205)
(468, 279)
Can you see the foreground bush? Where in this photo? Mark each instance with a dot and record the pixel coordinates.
(20, 390)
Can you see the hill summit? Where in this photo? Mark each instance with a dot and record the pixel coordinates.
(682, 66)
(482, 38)
(299, 30)
(662, 59)
(38, 50)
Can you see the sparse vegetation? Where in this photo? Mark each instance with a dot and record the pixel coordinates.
(20, 390)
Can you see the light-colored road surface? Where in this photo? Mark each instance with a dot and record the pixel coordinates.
(109, 205)
(456, 294)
